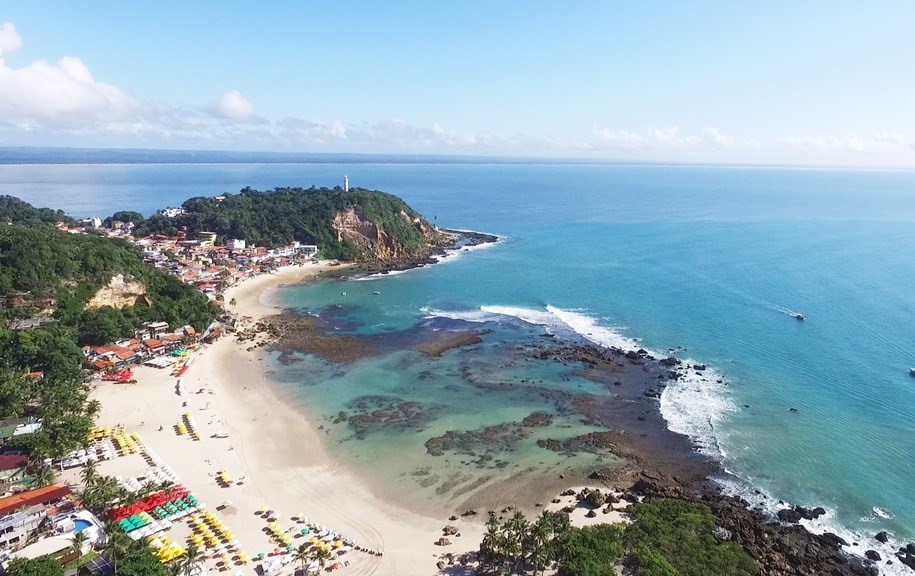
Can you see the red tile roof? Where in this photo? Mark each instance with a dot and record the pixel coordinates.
(44, 495)
(13, 461)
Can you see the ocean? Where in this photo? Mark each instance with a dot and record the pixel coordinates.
(708, 261)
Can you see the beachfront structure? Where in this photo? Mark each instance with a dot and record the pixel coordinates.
(17, 528)
(53, 497)
(12, 468)
(151, 330)
(18, 426)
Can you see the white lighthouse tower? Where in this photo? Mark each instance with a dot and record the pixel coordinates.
(345, 183)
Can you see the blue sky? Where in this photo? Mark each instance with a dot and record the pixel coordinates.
(747, 82)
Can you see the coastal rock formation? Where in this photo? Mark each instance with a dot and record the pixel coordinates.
(354, 227)
(119, 293)
(779, 549)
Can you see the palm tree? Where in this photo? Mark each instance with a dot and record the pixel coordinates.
(540, 539)
(44, 476)
(321, 555)
(303, 555)
(117, 546)
(189, 561)
(89, 474)
(516, 529)
(147, 488)
(78, 539)
(492, 547)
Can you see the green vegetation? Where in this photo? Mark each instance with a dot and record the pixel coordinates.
(674, 537)
(667, 538)
(41, 566)
(52, 274)
(44, 268)
(15, 211)
(281, 216)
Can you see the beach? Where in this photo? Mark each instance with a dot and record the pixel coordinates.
(272, 453)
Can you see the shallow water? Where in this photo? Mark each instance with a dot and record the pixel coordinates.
(710, 259)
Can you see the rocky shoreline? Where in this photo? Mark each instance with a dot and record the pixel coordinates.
(661, 463)
(452, 240)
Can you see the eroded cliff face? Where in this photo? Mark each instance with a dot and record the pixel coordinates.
(119, 293)
(354, 227)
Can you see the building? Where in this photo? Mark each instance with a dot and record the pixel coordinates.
(18, 527)
(18, 426)
(90, 222)
(53, 497)
(235, 245)
(12, 468)
(206, 238)
(151, 330)
(345, 183)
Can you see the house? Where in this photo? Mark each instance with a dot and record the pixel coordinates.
(151, 330)
(53, 497)
(235, 244)
(155, 347)
(12, 467)
(18, 527)
(17, 426)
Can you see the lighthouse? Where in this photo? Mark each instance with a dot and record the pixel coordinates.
(345, 183)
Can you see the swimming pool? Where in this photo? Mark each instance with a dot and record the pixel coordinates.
(80, 524)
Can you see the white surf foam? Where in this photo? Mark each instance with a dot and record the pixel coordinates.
(477, 316)
(694, 405)
(588, 328)
(528, 315)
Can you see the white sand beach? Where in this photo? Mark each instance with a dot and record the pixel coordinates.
(272, 453)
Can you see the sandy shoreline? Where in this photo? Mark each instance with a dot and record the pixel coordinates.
(272, 451)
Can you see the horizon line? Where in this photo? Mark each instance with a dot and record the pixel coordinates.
(26, 155)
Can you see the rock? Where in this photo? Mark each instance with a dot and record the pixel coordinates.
(789, 515)
(882, 536)
(453, 518)
(669, 361)
(469, 513)
(441, 565)
(443, 542)
(602, 474)
(591, 514)
(555, 500)
(873, 555)
(907, 559)
(699, 367)
(449, 530)
(910, 548)
(568, 492)
(832, 540)
(722, 534)
(792, 409)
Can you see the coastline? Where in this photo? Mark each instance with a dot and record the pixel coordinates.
(279, 451)
(272, 446)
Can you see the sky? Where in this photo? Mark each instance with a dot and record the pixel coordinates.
(806, 83)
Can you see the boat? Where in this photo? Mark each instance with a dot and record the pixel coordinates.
(376, 293)
(798, 316)
(912, 372)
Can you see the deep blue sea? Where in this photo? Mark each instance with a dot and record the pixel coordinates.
(714, 260)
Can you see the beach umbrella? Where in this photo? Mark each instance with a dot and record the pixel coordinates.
(261, 555)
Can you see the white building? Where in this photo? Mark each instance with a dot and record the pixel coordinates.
(345, 183)
(235, 244)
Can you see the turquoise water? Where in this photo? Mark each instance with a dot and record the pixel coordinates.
(711, 259)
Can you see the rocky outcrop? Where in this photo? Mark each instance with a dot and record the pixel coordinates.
(354, 227)
(120, 293)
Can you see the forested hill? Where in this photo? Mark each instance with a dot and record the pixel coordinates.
(15, 211)
(346, 225)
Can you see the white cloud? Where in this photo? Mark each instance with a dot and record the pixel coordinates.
(233, 106)
(10, 41)
(60, 94)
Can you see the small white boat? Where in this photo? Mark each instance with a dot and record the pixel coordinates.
(797, 316)
(911, 371)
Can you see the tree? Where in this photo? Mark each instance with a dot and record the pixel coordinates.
(117, 546)
(303, 555)
(44, 476)
(41, 566)
(78, 539)
(321, 555)
(139, 560)
(89, 474)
